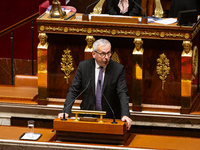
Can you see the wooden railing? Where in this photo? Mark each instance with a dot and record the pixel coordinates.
(19, 24)
(15, 26)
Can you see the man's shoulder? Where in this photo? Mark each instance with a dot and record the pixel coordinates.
(116, 64)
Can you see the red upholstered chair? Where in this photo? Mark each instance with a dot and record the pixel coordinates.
(47, 3)
(43, 7)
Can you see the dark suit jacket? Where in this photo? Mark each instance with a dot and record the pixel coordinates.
(114, 89)
(113, 9)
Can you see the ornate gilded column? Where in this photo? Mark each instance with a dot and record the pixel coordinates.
(42, 69)
(186, 76)
(137, 56)
(89, 48)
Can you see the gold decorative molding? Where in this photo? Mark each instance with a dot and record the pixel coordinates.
(195, 62)
(49, 28)
(115, 57)
(67, 64)
(41, 28)
(89, 30)
(163, 68)
(116, 32)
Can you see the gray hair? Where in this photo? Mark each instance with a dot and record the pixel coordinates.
(100, 42)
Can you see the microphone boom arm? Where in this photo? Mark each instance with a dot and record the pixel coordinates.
(74, 100)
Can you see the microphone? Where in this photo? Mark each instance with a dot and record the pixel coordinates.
(85, 15)
(63, 119)
(114, 122)
(144, 19)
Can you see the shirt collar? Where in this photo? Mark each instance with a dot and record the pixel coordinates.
(97, 66)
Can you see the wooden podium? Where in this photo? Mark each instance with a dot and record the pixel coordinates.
(92, 132)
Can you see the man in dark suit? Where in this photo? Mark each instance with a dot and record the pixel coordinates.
(113, 7)
(114, 86)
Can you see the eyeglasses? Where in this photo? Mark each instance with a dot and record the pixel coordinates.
(103, 55)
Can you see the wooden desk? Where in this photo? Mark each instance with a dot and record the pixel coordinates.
(145, 94)
(9, 139)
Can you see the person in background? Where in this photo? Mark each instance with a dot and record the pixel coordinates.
(100, 74)
(123, 7)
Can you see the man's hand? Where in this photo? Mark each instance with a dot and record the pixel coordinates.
(60, 115)
(128, 121)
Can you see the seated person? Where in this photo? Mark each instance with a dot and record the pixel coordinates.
(180, 5)
(123, 7)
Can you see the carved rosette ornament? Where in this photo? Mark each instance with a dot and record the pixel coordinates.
(194, 62)
(67, 64)
(163, 68)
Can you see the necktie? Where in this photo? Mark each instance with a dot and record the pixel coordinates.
(123, 6)
(99, 89)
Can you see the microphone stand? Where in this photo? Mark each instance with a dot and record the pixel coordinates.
(85, 16)
(114, 122)
(144, 19)
(64, 119)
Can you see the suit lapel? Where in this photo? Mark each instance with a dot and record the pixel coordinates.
(92, 75)
(107, 75)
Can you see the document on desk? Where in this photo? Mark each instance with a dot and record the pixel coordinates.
(166, 21)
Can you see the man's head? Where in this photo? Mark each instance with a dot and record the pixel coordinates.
(102, 52)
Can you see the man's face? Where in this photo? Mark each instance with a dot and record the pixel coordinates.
(102, 61)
